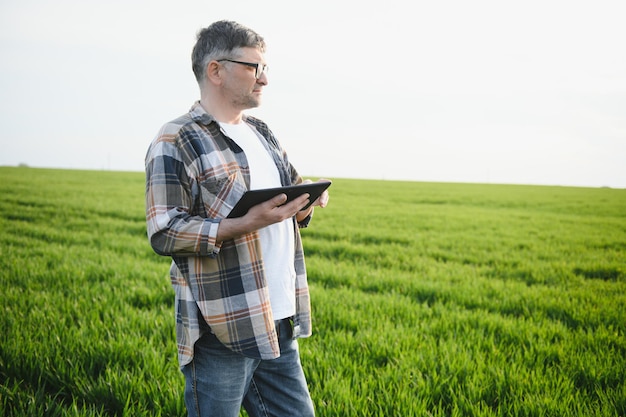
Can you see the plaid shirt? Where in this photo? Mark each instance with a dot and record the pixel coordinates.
(194, 176)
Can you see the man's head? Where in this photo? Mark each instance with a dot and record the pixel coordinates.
(222, 40)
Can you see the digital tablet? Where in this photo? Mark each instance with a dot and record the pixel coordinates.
(254, 197)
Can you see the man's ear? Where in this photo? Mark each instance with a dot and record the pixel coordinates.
(214, 72)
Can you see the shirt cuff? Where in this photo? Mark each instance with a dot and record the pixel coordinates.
(210, 231)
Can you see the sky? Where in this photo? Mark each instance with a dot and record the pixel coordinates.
(525, 92)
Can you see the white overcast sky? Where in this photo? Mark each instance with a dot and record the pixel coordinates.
(530, 92)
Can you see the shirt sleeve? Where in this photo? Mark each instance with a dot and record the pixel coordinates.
(172, 230)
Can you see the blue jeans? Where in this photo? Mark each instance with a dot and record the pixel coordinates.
(218, 381)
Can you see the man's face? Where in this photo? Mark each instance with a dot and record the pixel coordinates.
(241, 84)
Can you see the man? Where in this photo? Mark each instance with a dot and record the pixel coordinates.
(241, 291)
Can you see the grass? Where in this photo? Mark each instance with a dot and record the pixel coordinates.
(429, 300)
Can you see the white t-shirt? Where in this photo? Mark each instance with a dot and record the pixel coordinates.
(277, 240)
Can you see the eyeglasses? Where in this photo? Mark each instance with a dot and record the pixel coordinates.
(260, 69)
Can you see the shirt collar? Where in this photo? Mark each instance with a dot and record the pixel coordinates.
(199, 115)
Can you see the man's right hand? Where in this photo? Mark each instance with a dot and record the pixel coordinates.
(264, 214)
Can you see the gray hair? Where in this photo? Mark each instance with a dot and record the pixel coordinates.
(220, 40)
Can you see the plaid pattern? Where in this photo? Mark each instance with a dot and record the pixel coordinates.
(194, 176)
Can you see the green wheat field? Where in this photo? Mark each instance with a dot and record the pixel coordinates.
(429, 299)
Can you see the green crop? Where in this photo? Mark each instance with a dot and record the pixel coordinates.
(428, 300)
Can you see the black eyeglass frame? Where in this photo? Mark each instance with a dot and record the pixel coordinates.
(259, 68)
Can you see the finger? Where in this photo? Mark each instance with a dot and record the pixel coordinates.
(302, 200)
(324, 199)
(299, 202)
(278, 200)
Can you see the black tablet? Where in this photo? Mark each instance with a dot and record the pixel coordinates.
(254, 197)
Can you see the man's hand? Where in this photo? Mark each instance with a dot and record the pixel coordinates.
(321, 201)
(264, 214)
(275, 210)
